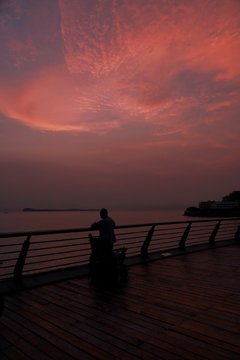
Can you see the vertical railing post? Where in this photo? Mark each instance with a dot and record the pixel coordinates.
(21, 260)
(184, 237)
(214, 233)
(144, 249)
(237, 234)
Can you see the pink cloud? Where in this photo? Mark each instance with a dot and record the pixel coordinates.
(166, 64)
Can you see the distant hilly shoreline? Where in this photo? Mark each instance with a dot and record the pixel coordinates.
(31, 209)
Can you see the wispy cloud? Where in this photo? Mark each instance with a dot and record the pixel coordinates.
(171, 64)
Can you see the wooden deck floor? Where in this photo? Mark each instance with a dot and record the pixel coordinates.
(185, 307)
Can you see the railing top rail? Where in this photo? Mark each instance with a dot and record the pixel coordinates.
(86, 229)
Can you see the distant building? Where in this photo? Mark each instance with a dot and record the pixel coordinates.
(225, 205)
(205, 205)
(231, 201)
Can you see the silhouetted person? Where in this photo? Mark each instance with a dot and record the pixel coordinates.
(105, 227)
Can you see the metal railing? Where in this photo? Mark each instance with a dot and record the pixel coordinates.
(26, 253)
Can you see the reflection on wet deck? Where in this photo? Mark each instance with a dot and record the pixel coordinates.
(184, 307)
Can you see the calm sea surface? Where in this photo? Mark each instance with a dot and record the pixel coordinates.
(27, 221)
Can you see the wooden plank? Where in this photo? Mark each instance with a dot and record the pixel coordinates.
(34, 339)
(110, 324)
(4, 343)
(13, 353)
(197, 343)
(130, 304)
(160, 353)
(230, 326)
(209, 340)
(126, 317)
(182, 307)
(212, 332)
(24, 346)
(188, 349)
(70, 345)
(87, 335)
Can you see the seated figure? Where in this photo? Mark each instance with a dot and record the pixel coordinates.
(106, 265)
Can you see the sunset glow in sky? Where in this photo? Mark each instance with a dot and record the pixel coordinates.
(122, 104)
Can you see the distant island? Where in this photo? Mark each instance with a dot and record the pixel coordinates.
(31, 209)
(229, 206)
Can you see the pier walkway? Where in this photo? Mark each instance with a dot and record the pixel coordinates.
(182, 307)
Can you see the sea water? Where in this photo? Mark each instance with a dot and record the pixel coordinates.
(54, 220)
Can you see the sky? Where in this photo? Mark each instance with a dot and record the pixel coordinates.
(119, 104)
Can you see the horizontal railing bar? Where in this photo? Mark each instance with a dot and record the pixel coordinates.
(199, 233)
(172, 228)
(54, 247)
(161, 247)
(232, 233)
(152, 250)
(170, 233)
(132, 232)
(196, 242)
(57, 253)
(228, 230)
(193, 229)
(9, 252)
(127, 242)
(222, 237)
(177, 237)
(165, 242)
(4, 260)
(133, 247)
(164, 238)
(58, 240)
(134, 237)
(89, 229)
(5, 275)
(199, 230)
(8, 266)
(231, 221)
(129, 238)
(63, 252)
(53, 267)
(55, 259)
(43, 232)
(17, 244)
(198, 237)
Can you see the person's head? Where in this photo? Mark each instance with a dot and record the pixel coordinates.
(103, 213)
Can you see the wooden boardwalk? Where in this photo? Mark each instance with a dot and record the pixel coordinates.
(184, 307)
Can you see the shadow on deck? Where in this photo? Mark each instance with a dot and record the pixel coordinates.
(184, 307)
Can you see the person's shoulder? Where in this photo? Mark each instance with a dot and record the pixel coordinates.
(111, 220)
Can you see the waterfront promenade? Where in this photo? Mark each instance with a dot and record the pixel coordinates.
(182, 307)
